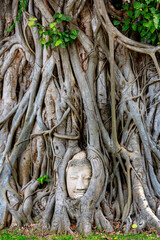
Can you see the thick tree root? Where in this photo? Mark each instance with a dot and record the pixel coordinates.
(4, 181)
(147, 217)
(101, 222)
(61, 222)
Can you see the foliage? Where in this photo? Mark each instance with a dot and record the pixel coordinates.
(21, 8)
(143, 17)
(43, 179)
(56, 38)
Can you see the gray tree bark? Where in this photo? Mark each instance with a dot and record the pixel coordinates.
(100, 95)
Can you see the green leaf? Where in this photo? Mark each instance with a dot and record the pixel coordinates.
(71, 41)
(47, 180)
(134, 26)
(45, 33)
(40, 31)
(156, 22)
(23, 4)
(30, 23)
(45, 176)
(32, 19)
(148, 16)
(148, 25)
(43, 41)
(50, 32)
(41, 180)
(56, 15)
(63, 17)
(55, 38)
(58, 42)
(17, 18)
(58, 20)
(126, 6)
(137, 13)
(75, 32)
(66, 39)
(20, 6)
(48, 44)
(148, 35)
(54, 29)
(153, 38)
(127, 21)
(152, 29)
(53, 45)
(116, 22)
(143, 33)
(125, 27)
(139, 28)
(10, 28)
(130, 13)
(51, 25)
(73, 36)
(136, 4)
(134, 226)
(153, 10)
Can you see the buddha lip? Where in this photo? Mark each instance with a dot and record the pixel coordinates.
(79, 193)
(82, 192)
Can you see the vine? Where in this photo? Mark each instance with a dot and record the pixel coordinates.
(143, 17)
(21, 8)
(56, 38)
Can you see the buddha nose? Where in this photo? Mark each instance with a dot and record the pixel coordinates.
(80, 185)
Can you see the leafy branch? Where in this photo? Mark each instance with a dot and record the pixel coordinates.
(143, 17)
(56, 38)
(21, 8)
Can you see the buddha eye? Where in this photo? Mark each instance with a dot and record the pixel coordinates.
(87, 178)
(74, 177)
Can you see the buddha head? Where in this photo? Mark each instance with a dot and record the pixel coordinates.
(78, 175)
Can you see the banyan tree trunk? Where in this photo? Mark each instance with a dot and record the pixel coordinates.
(100, 95)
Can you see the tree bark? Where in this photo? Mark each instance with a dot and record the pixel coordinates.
(99, 95)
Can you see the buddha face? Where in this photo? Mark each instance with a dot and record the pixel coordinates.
(78, 178)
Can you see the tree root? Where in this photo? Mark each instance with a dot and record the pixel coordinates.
(61, 222)
(148, 218)
(4, 186)
(45, 222)
(106, 210)
(101, 222)
(28, 202)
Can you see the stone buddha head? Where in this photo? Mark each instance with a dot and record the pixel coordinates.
(78, 175)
